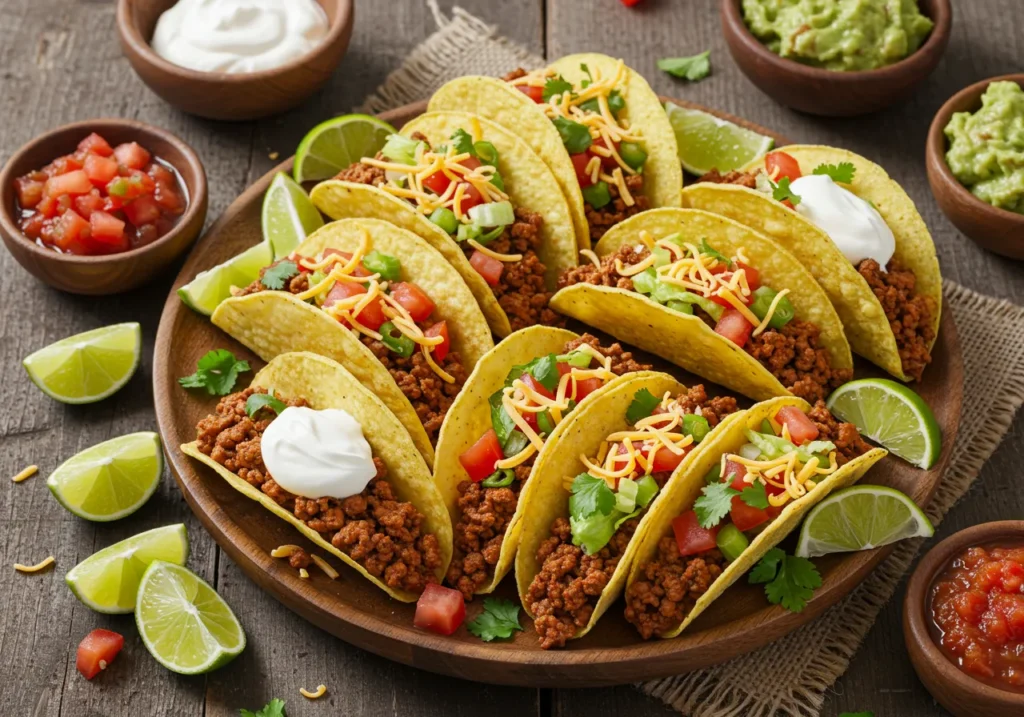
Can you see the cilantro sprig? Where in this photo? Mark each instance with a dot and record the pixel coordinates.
(788, 580)
(554, 86)
(276, 275)
(274, 708)
(693, 68)
(216, 372)
(706, 248)
(842, 172)
(499, 620)
(643, 405)
(258, 401)
(714, 504)
(590, 495)
(781, 192)
(755, 495)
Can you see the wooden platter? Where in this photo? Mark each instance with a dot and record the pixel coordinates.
(354, 610)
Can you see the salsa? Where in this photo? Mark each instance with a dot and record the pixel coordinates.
(100, 199)
(977, 610)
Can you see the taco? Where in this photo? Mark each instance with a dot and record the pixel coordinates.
(594, 490)
(857, 232)
(480, 196)
(513, 405)
(596, 123)
(315, 447)
(779, 460)
(715, 297)
(380, 301)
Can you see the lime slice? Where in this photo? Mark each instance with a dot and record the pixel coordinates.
(860, 518)
(186, 626)
(891, 414)
(335, 144)
(88, 367)
(109, 480)
(212, 286)
(288, 215)
(707, 142)
(107, 581)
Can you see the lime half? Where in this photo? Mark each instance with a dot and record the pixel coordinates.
(860, 518)
(288, 215)
(108, 581)
(88, 367)
(210, 287)
(335, 144)
(110, 480)
(891, 414)
(186, 626)
(707, 142)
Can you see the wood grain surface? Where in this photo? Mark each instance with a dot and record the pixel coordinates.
(59, 62)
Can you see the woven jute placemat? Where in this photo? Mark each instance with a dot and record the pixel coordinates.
(790, 676)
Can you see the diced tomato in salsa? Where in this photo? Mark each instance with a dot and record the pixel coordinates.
(30, 192)
(94, 144)
(73, 183)
(413, 299)
(131, 155)
(440, 610)
(106, 228)
(801, 427)
(100, 170)
(479, 459)
(735, 327)
(142, 210)
(786, 164)
(690, 537)
(442, 349)
(487, 266)
(96, 651)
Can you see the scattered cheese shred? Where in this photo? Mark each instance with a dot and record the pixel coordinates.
(591, 256)
(770, 313)
(38, 567)
(328, 569)
(26, 473)
(493, 254)
(321, 690)
(303, 573)
(284, 551)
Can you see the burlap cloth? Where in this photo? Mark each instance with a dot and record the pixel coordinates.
(790, 676)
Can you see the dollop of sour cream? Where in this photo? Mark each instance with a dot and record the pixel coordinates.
(239, 36)
(318, 454)
(854, 225)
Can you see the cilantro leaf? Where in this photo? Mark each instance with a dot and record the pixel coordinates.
(275, 275)
(258, 401)
(543, 368)
(586, 70)
(499, 619)
(765, 570)
(789, 581)
(575, 136)
(693, 68)
(643, 405)
(755, 495)
(714, 504)
(556, 85)
(706, 248)
(781, 192)
(842, 172)
(217, 372)
(462, 141)
(274, 708)
(590, 495)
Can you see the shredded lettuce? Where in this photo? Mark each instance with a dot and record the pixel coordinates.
(772, 446)
(492, 214)
(647, 282)
(596, 511)
(400, 149)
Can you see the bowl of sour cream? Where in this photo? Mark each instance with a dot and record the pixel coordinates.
(234, 59)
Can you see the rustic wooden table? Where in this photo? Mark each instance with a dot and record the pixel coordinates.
(60, 62)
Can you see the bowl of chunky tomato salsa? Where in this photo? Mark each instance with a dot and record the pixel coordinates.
(963, 620)
(99, 207)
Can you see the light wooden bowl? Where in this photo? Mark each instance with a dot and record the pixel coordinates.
(230, 96)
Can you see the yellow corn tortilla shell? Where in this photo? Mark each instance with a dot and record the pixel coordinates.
(582, 433)
(681, 493)
(326, 384)
(272, 323)
(686, 340)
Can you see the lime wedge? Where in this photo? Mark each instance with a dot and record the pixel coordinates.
(335, 144)
(861, 517)
(107, 581)
(288, 215)
(707, 142)
(110, 480)
(892, 415)
(212, 286)
(88, 367)
(186, 626)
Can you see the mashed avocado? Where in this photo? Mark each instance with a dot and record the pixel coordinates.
(986, 148)
(839, 34)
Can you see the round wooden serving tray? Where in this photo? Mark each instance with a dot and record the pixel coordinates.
(357, 612)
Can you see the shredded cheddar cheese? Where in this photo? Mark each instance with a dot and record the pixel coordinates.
(591, 256)
(303, 573)
(38, 567)
(284, 551)
(493, 254)
(325, 566)
(321, 690)
(25, 474)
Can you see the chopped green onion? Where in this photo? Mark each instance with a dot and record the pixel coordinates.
(625, 496)
(766, 427)
(400, 149)
(468, 231)
(445, 218)
(515, 443)
(386, 265)
(545, 422)
(633, 155)
(577, 358)
(597, 195)
(749, 451)
(731, 542)
(501, 478)
(492, 214)
(763, 298)
(400, 344)
(486, 153)
(647, 488)
(696, 426)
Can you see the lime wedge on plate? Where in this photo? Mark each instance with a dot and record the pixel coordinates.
(707, 142)
(107, 581)
(88, 367)
(892, 415)
(861, 517)
(288, 215)
(186, 626)
(212, 286)
(335, 144)
(110, 480)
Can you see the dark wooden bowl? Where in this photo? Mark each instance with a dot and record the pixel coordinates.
(827, 92)
(997, 230)
(955, 690)
(229, 96)
(112, 273)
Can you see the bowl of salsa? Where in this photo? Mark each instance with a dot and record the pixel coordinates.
(101, 206)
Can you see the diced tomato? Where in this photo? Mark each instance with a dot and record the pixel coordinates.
(343, 290)
(665, 461)
(470, 198)
(168, 198)
(62, 165)
(112, 204)
(487, 266)
(106, 228)
(437, 182)
(442, 349)
(30, 192)
(96, 651)
(579, 163)
(723, 302)
(73, 183)
(609, 162)
(471, 163)
(70, 230)
(100, 170)
(801, 428)
(534, 93)
(88, 203)
(587, 386)
(690, 537)
(372, 316)
(787, 204)
(47, 206)
(753, 276)
(745, 517)
(440, 610)
(479, 459)
(142, 210)
(734, 469)
(536, 385)
(785, 163)
(132, 155)
(735, 327)
(359, 269)
(33, 225)
(94, 144)
(160, 173)
(413, 299)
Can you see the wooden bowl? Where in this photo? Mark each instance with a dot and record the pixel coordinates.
(956, 691)
(997, 230)
(224, 95)
(832, 93)
(111, 273)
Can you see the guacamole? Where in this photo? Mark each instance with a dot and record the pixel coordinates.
(839, 34)
(986, 148)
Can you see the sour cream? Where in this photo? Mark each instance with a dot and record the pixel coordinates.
(854, 225)
(318, 454)
(239, 35)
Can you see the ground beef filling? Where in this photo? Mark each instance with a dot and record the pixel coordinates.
(743, 179)
(378, 531)
(696, 400)
(605, 274)
(845, 436)
(910, 315)
(603, 219)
